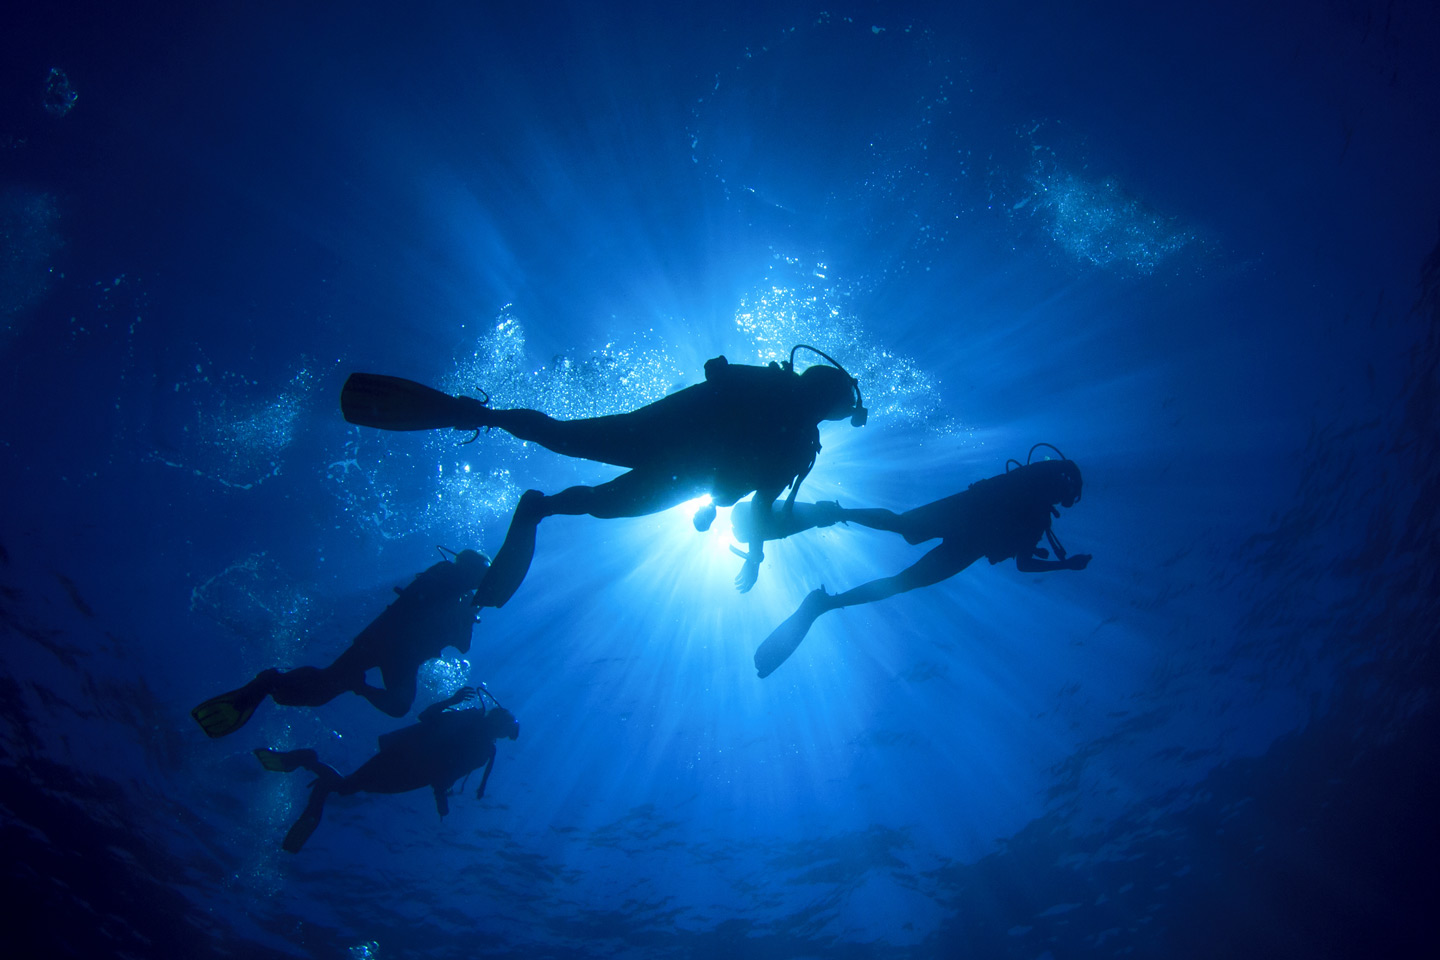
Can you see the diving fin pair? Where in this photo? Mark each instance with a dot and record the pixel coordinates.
(223, 715)
(394, 403)
(785, 638)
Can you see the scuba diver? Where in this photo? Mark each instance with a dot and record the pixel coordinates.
(996, 518)
(443, 747)
(432, 613)
(745, 429)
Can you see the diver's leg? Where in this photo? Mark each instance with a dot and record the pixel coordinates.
(399, 692)
(313, 686)
(621, 439)
(637, 493)
(941, 563)
(512, 561)
(875, 518)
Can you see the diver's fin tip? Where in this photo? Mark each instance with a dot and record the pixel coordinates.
(303, 827)
(273, 760)
(223, 715)
(394, 403)
(284, 761)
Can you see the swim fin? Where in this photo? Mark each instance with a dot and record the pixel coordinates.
(285, 761)
(308, 820)
(785, 638)
(394, 403)
(223, 715)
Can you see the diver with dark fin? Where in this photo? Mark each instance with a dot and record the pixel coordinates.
(434, 612)
(997, 518)
(443, 747)
(745, 429)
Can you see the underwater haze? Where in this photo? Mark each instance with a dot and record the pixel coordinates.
(1194, 247)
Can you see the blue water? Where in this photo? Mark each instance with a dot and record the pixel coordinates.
(1194, 248)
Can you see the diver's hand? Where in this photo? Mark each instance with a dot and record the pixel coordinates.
(464, 695)
(749, 573)
(704, 517)
(1077, 562)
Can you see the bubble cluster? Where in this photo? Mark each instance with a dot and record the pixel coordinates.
(897, 390)
(1095, 220)
(60, 95)
(1097, 223)
(438, 679)
(367, 495)
(889, 175)
(254, 600)
(457, 488)
(473, 486)
(237, 442)
(620, 376)
(369, 950)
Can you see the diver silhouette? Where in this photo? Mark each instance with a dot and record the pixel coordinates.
(745, 429)
(997, 518)
(430, 614)
(443, 747)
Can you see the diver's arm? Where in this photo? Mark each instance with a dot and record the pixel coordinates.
(761, 523)
(438, 707)
(1033, 563)
(442, 798)
(485, 778)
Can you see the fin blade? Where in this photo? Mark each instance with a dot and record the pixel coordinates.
(272, 760)
(784, 639)
(394, 403)
(285, 761)
(301, 829)
(223, 715)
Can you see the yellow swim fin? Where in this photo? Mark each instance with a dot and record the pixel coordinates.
(223, 715)
(284, 761)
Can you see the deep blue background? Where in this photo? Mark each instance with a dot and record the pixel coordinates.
(1196, 249)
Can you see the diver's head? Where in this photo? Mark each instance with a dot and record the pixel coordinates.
(472, 562)
(1058, 481)
(502, 723)
(833, 393)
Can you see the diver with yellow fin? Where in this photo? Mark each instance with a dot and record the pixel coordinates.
(745, 429)
(434, 612)
(997, 518)
(444, 746)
